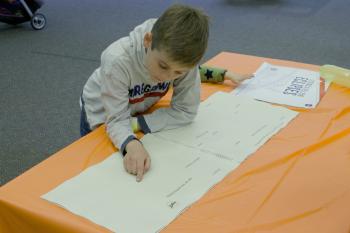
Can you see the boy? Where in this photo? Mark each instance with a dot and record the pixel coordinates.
(136, 71)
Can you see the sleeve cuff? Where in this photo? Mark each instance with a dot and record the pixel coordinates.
(123, 147)
(143, 125)
(212, 74)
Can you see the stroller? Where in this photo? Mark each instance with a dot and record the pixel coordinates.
(19, 11)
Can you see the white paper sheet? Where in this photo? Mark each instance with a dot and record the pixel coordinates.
(110, 197)
(182, 170)
(231, 127)
(283, 85)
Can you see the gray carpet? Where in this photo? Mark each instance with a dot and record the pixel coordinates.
(42, 72)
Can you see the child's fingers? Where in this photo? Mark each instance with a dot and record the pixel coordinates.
(248, 76)
(133, 166)
(243, 77)
(147, 164)
(125, 164)
(140, 170)
(237, 78)
(129, 165)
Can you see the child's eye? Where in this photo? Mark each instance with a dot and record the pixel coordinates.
(162, 67)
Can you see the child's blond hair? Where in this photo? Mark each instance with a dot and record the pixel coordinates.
(182, 32)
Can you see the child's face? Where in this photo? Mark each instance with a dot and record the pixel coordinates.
(161, 67)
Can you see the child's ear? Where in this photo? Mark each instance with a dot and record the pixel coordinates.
(147, 40)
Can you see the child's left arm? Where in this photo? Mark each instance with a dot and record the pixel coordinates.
(210, 74)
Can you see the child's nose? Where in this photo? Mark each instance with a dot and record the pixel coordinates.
(166, 75)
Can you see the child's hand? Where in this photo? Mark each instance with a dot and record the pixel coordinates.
(237, 78)
(136, 160)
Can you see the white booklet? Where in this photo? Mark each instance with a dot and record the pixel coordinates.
(186, 163)
(283, 85)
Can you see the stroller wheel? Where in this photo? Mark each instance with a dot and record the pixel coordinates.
(38, 21)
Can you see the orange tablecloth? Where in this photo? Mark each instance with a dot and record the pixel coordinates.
(299, 181)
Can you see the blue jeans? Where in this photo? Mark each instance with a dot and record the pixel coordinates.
(84, 124)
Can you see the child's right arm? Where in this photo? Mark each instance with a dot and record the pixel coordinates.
(115, 98)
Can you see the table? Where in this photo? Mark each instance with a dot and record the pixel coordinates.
(299, 181)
